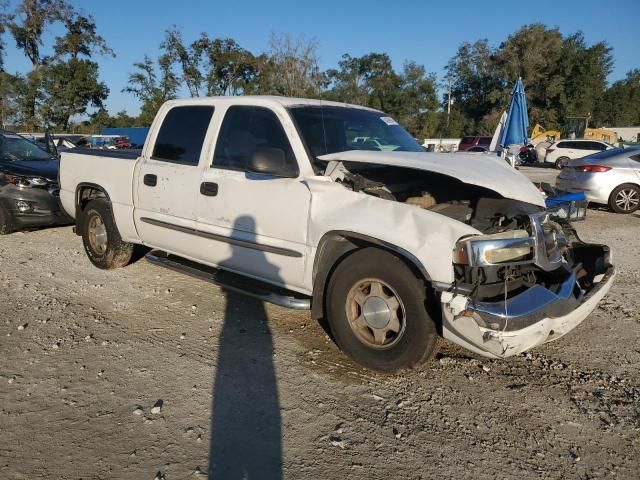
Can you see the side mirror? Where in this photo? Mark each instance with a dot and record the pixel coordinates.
(270, 161)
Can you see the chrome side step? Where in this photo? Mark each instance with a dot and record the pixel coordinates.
(231, 281)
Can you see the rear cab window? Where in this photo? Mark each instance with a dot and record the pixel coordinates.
(181, 135)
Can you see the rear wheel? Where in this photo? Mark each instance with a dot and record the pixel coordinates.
(377, 312)
(625, 198)
(101, 238)
(6, 221)
(562, 162)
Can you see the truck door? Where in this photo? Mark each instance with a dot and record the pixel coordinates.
(168, 180)
(259, 220)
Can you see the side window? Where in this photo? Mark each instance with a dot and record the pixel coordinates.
(182, 133)
(565, 145)
(635, 157)
(246, 129)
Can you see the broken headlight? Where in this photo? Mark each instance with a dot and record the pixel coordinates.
(514, 246)
(22, 182)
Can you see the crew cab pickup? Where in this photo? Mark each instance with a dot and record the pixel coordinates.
(394, 248)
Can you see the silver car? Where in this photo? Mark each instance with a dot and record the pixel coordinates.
(611, 177)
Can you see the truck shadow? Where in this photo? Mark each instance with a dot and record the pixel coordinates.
(246, 436)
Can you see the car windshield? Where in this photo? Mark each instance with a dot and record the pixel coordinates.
(326, 130)
(14, 147)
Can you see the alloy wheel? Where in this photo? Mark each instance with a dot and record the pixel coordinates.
(627, 199)
(376, 313)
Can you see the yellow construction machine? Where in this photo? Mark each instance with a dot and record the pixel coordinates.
(574, 127)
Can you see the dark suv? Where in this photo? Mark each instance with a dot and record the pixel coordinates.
(475, 143)
(28, 185)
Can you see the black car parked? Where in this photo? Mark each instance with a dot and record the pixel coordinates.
(28, 185)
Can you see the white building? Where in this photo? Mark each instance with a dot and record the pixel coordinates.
(441, 144)
(628, 134)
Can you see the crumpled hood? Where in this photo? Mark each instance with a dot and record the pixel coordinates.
(486, 171)
(35, 168)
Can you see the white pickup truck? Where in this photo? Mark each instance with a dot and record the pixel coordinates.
(274, 197)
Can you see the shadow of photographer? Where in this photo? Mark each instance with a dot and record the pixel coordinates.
(246, 436)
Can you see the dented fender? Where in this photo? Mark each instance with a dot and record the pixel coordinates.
(427, 236)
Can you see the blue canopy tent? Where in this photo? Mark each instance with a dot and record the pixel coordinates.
(516, 127)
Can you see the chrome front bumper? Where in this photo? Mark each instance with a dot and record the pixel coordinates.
(536, 316)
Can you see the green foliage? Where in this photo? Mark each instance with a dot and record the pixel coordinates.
(620, 105)
(68, 89)
(81, 38)
(153, 85)
(563, 76)
(61, 85)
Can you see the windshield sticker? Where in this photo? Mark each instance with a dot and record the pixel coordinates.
(389, 120)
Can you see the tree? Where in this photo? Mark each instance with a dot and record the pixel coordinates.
(28, 24)
(152, 85)
(4, 22)
(69, 88)
(620, 104)
(416, 97)
(476, 87)
(289, 68)
(189, 58)
(584, 70)
(231, 67)
(368, 80)
(81, 38)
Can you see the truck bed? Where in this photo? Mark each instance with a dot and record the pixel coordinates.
(112, 170)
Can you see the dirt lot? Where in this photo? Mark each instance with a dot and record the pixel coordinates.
(254, 391)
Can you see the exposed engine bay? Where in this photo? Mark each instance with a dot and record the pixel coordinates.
(479, 207)
(543, 250)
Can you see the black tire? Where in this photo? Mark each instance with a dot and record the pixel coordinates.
(106, 253)
(6, 222)
(561, 162)
(625, 198)
(417, 341)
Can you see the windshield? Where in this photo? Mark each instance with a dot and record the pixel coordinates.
(327, 130)
(14, 147)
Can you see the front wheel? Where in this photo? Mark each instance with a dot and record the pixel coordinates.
(101, 238)
(377, 312)
(625, 198)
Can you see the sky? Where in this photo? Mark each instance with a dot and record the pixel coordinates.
(424, 31)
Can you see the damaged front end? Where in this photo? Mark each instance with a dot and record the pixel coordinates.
(518, 288)
(521, 277)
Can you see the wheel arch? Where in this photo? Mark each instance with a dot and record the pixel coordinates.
(85, 192)
(335, 245)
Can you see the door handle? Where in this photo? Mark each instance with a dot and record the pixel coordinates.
(150, 180)
(209, 189)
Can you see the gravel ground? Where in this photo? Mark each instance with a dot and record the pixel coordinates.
(143, 373)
